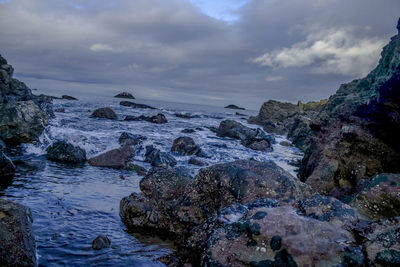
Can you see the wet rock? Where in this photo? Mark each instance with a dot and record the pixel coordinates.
(141, 171)
(68, 97)
(135, 105)
(380, 198)
(197, 162)
(21, 122)
(17, 243)
(188, 131)
(116, 158)
(286, 143)
(125, 95)
(185, 115)
(7, 168)
(104, 113)
(101, 242)
(158, 119)
(186, 146)
(131, 139)
(240, 114)
(62, 151)
(60, 110)
(252, 138)
(234, 107)
(159, 159)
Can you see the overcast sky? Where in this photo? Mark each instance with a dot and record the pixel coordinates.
(242, 52)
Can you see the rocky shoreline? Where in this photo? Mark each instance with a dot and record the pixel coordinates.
(342, 210)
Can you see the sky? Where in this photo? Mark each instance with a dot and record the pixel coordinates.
(214, 52)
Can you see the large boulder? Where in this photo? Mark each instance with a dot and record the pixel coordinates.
(17, 243)
(125, 95)
(7, 168)
(135, 105)
(159, 159)
(104, 113)
(186, 146)
(380, 198)
(21, 122)
(116, 158)
(255, 139)
(62, 151)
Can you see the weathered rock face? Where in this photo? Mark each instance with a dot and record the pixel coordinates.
(125, 95)
(104, 113)
(17, 243)
(252, 138)
(116, 158)
(159, 159)
(7, 168)
(186, 146)
(380, 198)
(65, 152)
(135, 105)
(355, 133)
(21, 122)
(130, 139)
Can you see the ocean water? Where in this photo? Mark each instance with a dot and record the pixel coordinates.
(72, 205)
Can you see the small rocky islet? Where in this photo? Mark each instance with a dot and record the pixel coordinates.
(341, 210)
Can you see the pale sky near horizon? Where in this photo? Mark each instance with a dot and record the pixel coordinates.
(241, 52)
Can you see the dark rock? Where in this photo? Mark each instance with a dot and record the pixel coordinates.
(141, 171)
(234, 107)
(159, 159)
(101, 242)
(159, 118)
(125, 95)
(21, 122)
(17, 243)
(67, 97)
(188, 131)
(131, 139)
(380, 198)
(286, 143)
(197, 162)
(252, 138)
(186, 146)
(240, 114)
(185, 115)
(61, 110)
(7, 168)
(104, 113)
(116, 158)
(135, 105)
(65, 152)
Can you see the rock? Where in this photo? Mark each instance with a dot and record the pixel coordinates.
(312, 105)
(186, 115)
(104, 113)
(62, 151)
(134, 105)
(240, 114)
(141, 171)
(21, 122)
(252, 138)
(186, 146)
(286, 143)
(380, 198)
(61, 110)
(17, 243)
(7, 169)
(67, 97)
(188, 131)
(197, 162)
(101, 242)
(116, 158)
(234, 107)
(159, 159)
(159, 118)
(125, 95)
(131, 139)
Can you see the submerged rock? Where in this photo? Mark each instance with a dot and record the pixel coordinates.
(131, 139)
(101, 242)
(135, 105)
(104, 113)
(125, 95)
(159, 159)
(234, 107)
(65, 152)
(186, 146)
(116, 158)
(159, 118)
(141, 171)
(17, 243)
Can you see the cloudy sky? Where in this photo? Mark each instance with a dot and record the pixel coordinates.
(196, 51)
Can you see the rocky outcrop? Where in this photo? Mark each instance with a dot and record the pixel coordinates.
(17, 243)
(135, 105)
(234, 107)
(159, 159)
(21, 122)
(252, 138)
(125, 95)
(7, 169)
(62, 151)
(186, 146)
(131, 139)
(158, 119)
(104, 113)
(116, 158)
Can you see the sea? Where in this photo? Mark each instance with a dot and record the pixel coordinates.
(72, 205)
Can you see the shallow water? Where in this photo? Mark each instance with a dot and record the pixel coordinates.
(72, 205)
